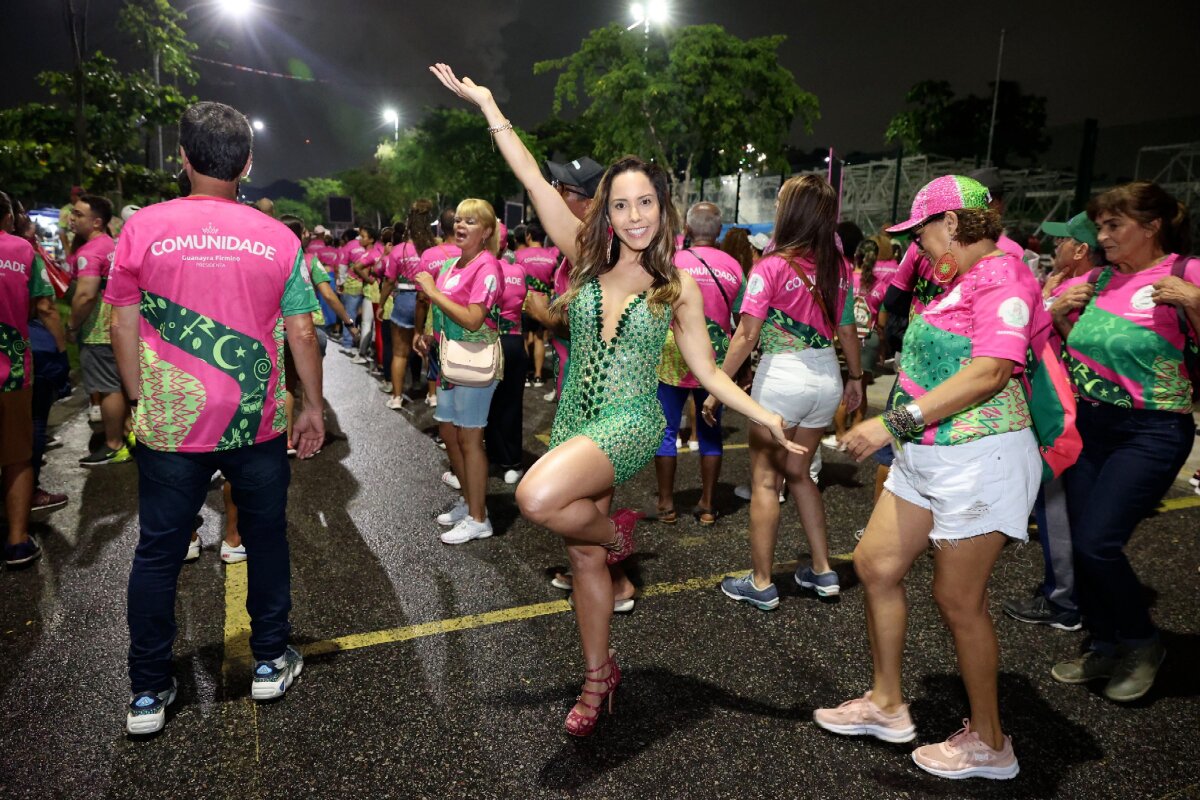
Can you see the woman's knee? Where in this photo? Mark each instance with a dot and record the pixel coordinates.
(535, 503)
(960, 603)
(877, 572)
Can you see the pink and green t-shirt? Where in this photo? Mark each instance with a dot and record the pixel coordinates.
(94, 260)
(480, 282)
(351, 252)
(1125, 349)
(539, 268)
(433, 259)
(993, 311)
(402, 264)
(214, 280)
(673, 370)
(23, 278)
(792, 318)
(512, 299)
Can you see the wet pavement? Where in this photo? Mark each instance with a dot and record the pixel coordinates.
(437, 671)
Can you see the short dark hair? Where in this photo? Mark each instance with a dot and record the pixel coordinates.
(6, 206)
(536, 231)
(446, 222)
(369, 231)
(217, 140)
(100, 206)
(293, 224)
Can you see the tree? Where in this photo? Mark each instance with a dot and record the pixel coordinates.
(938, 122)
(297, 208)
(697, 98)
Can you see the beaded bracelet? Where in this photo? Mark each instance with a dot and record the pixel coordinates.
(899, 419)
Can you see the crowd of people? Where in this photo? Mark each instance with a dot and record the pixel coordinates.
(1066, 396)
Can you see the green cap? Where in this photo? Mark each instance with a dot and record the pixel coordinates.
(1078, 227)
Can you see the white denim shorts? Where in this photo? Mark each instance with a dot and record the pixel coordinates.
(988, 484)
(804, 387)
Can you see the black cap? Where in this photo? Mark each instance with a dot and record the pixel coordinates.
(990, 178)
(582, 172)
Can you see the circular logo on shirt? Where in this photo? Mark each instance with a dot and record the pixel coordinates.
(1143, 299)
(489, 282)
(452, 281)
(756, 284)
(81, 263)
(1014, 312)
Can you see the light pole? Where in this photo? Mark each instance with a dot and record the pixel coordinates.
(390, 115)
(656, 11)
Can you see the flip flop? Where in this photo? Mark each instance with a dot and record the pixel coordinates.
(666, 517)
(563, 581)
(705, 516)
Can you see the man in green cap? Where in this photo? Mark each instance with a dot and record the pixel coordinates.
(1075, 251)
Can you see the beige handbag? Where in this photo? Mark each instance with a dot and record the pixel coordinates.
(470, 363)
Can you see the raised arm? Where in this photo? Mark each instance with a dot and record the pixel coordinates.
(556, 217)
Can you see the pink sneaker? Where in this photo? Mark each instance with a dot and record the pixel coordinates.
(964, 755)
(859, 717)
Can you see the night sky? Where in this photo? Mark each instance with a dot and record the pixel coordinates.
(1121, 62)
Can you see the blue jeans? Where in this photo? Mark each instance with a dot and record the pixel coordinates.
(1130, 459)
(51, 372)
(352, 303)
(171, 491)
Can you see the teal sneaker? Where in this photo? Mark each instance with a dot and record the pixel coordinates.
(273, 678)
(743, 590)
(148, 710)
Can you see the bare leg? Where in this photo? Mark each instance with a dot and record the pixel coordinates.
(449, 434)
(664, 470)
(839, 420)
(401, 346)
(113, 410)
(808, 496)
(710, 470)
(475, 469)
(765, 468)
(232, 537)
(897, 533)
(881, 475)
(961, 572)
(18, 496)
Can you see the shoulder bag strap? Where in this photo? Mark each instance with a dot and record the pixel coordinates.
(720, 288)
(1177, 270)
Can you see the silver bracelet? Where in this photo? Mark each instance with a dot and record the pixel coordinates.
(500, 128)
(915, 412)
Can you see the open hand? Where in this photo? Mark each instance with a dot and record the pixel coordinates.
(865, 438)
(308, 432)
(852, 395)
(466, 88)
(774, 424)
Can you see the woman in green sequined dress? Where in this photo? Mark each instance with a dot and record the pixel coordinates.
(624, 293)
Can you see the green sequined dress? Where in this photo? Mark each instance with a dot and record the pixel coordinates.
(611, 391)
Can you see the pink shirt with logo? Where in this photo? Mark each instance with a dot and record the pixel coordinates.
(402, 264)
(214, 280)
(480, 282)
(512, 300)
(436, 256)
(22, 279)
(793, 320)
(728, 273)
(94, 260)
(539, 268)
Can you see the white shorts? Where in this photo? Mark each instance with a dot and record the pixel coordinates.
(973, 488)
(803, 387)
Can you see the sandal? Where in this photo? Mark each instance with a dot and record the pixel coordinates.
(705, 516)
(665, 516)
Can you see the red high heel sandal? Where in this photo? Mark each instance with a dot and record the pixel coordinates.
(624, 521)
(583, 725)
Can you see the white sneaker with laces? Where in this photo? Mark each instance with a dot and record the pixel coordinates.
(431, 400)
(232, 555)
(396, 403)
(386, 387)
(94, 414)
(466, 530)
(457, 513)
(358, 359)
(451, 480)
(550, 396)
(513, 475)
(193, 551)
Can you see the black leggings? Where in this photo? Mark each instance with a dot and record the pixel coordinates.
(506, 417)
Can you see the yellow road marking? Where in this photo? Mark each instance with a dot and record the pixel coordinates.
(237, 622)
(1178, 503)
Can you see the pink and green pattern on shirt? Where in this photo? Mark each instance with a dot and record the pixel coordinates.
(23, 279)
(992, 311)
(1126, 350)
(792, 318)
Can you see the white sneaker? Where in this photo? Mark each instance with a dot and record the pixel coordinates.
(232, 555)
(396, 403)
(550, 396)
(357, 359)
(193, 551)
(431, 400)
(742, 490)
(94, 414)
(451, 480)
(513, 475)
(386, 387)
(466, 530)
(831, 441)
(457, 513)
(693, 445)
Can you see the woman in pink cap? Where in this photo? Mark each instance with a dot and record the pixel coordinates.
(966, 473)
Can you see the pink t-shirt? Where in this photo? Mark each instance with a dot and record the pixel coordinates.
(94, 260)
(1125, 349)
(350, 253)
(480, 282)
(1012, 248)
(994, 311)
(433, 258)
(214, 280)
(672, 370)
(885, 269)
(539, 268)
(328, 256)
(512, 300)
(402, 264)
(22, 278)
(793, 320)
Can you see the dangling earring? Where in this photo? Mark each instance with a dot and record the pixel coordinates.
(945, 268)
(614, 246)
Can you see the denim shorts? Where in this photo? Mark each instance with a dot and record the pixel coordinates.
(465, 406)
(404, 309)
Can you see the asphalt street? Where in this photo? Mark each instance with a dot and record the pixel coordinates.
(446, 672)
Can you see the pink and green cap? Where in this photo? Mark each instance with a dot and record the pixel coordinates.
(947, 193)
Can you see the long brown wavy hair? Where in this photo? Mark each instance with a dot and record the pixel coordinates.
(597, 254)
(806, 226)
(420, 222)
